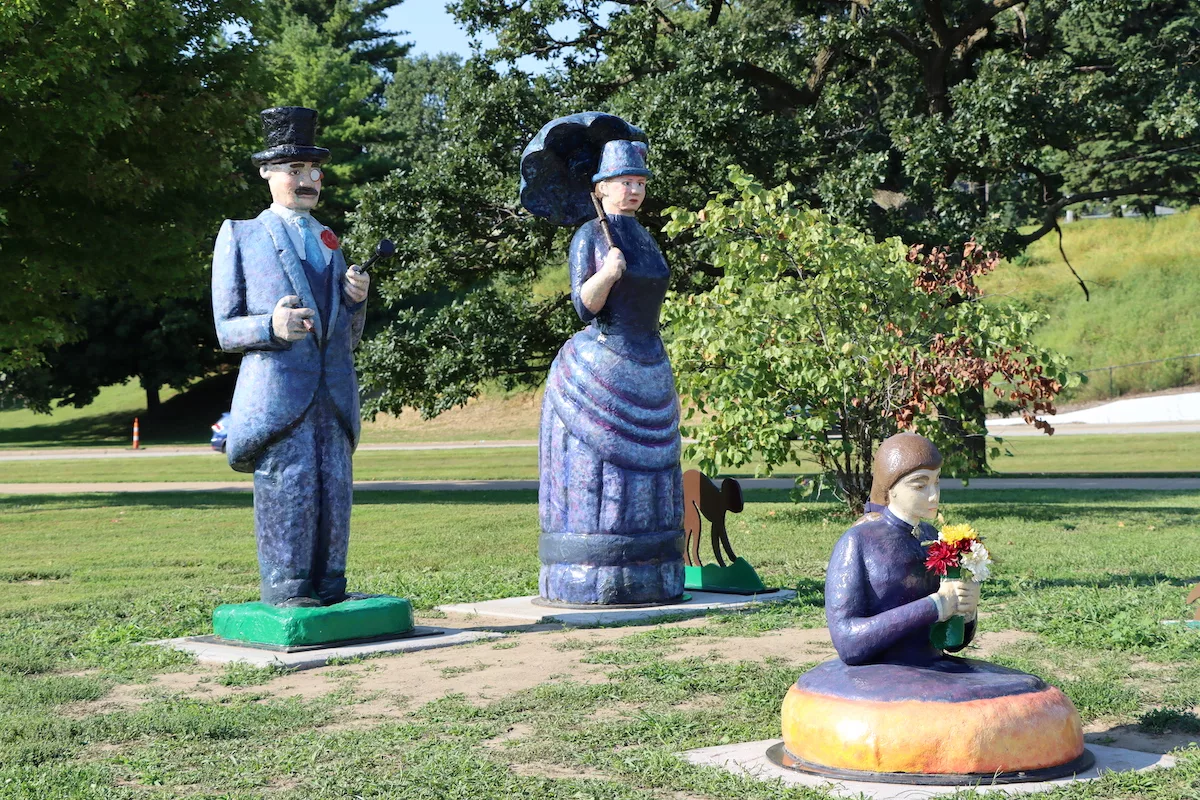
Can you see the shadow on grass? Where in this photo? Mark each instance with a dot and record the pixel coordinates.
(245, 499)
(182, 420)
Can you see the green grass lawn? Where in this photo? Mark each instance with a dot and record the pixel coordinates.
(1148, 454)
(1087, 576)
(184, 419)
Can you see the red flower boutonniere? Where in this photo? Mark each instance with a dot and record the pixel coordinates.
(330, 240)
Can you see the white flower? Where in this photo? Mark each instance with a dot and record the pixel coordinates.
(978, 562)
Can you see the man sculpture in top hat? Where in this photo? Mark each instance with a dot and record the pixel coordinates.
(283, 296)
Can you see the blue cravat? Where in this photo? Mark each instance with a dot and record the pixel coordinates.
(312, 250)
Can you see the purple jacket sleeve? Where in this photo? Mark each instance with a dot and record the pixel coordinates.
(584, 259)
(237, 330)
(858, 637)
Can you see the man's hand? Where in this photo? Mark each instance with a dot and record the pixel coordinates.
(355, 285)
(289, 323)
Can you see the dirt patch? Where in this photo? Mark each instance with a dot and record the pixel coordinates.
(557, 772)
(122, 697)
(613, 711)
(515, 733)
(489, 670)
(989, 643)
(1132, 738)
(395, 685)
(796, 645)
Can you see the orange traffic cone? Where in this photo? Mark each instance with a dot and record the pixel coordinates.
(135, 433)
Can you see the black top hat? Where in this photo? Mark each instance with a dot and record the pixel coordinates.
(289, 132)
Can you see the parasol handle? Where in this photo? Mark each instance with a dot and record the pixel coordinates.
(608, 237)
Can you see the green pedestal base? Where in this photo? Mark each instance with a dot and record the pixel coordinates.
(361, 618)
(737, 578)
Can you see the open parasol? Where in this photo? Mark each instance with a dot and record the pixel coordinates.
(558, 165)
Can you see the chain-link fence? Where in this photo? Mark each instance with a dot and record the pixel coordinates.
(1182, 374)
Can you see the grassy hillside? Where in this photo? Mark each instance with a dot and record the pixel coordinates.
(1144, 279)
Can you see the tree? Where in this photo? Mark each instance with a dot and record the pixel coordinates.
(458, 294)
(166, 343)
(123, 126)
(817, 335)
(935, 122)
(415, 107)
(351, 26)
(331, 55)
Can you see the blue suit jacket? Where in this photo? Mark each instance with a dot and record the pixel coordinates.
(254, 266)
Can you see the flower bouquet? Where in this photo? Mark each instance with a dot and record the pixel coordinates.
(958, 550)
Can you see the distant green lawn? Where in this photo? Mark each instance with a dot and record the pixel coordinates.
(1087, 576)
(185, 420)
(1108, 455)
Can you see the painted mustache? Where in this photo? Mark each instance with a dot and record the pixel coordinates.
(303, 191)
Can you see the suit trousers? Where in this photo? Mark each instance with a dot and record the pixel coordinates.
(303, 489)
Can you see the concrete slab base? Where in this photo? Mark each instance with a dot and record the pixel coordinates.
(750, 758)
(207, 652)
(525, 610)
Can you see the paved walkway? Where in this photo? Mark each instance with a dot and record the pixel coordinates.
(1091, 429)
(1110, 484)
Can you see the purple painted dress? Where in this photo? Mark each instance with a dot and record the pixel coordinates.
(611, 495)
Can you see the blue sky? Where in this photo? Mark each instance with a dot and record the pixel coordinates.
(430, 28)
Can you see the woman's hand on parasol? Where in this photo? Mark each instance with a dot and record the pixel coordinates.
(614, 264)
(594, 292)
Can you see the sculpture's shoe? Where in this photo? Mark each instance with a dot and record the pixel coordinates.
(955, 717)
(299, 602)
(355, 619)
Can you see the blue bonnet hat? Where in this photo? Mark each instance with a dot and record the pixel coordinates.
(622, 157)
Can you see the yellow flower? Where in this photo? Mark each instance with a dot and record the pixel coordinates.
(956, 533)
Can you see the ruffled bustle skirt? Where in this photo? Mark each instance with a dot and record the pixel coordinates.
(611, 493)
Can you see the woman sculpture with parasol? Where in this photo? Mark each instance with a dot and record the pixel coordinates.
(610, 496)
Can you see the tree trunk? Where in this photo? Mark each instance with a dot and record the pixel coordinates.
(975, 447)
(153, 403)
(856, 488)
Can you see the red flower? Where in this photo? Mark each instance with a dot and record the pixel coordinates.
(330, 240)
(942, 557)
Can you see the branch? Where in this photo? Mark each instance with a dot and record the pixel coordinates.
(905, 41)
(1050, 216)
(937, 21)
(978, 21)
(1087, 296)
(793, 96)
(714, 12)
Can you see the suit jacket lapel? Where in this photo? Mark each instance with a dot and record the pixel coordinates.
(291, 265)
(337, 265)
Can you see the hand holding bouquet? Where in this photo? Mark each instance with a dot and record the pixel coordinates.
(958, 554)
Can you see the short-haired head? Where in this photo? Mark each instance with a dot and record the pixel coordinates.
(898, 456)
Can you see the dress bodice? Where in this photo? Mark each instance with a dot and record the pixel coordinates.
(628, 322)
(877, 593)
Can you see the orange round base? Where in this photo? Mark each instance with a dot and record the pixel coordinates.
(1022, 732)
